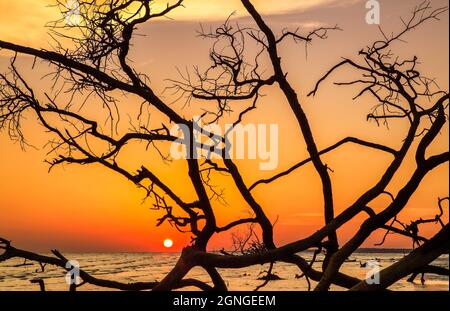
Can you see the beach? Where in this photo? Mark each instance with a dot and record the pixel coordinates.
(141, 267)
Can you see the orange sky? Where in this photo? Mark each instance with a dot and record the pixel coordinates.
(88, 208)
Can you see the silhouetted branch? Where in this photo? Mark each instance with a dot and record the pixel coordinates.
(40, 282)
(418, 259)
(327, 150)
(60, 261)
(431, 270)
(98, 65)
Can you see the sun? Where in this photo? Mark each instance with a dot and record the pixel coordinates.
(168, 243)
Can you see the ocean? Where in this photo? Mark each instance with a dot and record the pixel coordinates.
(141, 267)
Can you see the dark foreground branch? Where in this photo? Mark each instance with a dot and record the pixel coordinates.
(59, 260)
(415, 261)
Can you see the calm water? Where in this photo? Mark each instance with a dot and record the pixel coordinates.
(152, 266)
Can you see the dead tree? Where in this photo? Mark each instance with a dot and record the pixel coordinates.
(97, 66)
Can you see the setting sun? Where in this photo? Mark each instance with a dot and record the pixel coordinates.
(168, 243)
(181, 145)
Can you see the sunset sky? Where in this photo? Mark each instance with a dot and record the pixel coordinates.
(88, 208)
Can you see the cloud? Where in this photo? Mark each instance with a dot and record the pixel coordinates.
(211, 10)
(24, 21)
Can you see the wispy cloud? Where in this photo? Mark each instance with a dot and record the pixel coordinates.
(203, 9)
(24, 21)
